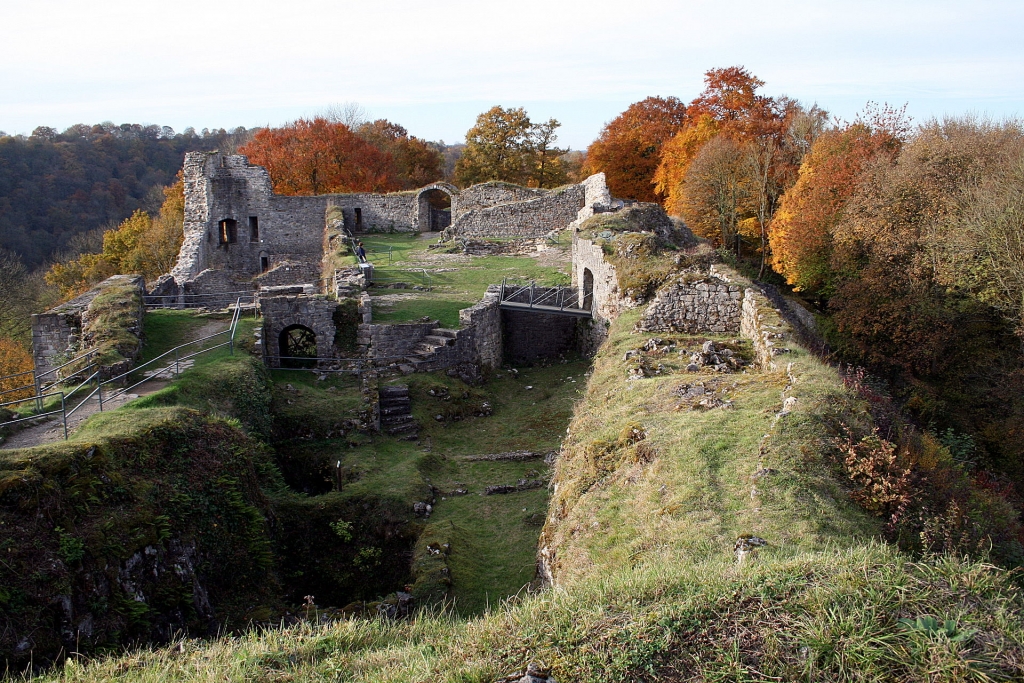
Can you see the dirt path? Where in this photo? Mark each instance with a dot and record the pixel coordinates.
(51, 429)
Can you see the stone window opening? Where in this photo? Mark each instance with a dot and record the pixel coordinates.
(228, 231)
(297, 344)
(359, 219)
(583, 202)
(254, 229)
(264, 262)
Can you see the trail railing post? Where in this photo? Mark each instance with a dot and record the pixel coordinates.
(39, 392)
(99, 391)
(64, 414)
(177, 370)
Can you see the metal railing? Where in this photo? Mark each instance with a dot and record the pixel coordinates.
(557, 299)
(337, 365)
(198, 300)
(125, 377)
(391, 277)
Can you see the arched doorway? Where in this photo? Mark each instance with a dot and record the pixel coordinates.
(297, 345)
(434, 209)
(587, 302)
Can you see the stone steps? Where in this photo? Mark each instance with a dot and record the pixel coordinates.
(396, 413)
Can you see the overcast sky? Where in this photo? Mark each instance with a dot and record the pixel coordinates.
(433, 66)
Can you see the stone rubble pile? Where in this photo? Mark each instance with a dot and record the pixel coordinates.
(717, 358)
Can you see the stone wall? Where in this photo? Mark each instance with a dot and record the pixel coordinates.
(762, 323)
(57, 333)
(596, 197)
(387, 341)
(315, 312)
(215, 289)
(692, 306)
(528, 337)
(478, 341)
(480, 333)
(486, 195)
(535, 217)
(589, 265)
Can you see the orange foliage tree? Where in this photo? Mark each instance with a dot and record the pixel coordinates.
(803, 231)
(319, 156)
(628, 150)
(417, 163)
(730, 106)
(14, 359)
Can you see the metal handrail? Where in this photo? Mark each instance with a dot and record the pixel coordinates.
(235, 317)
(87, 354)
(62, 411)
(98, 391)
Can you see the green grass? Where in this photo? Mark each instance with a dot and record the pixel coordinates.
(163, 329)
(450, 291)
(446, 311)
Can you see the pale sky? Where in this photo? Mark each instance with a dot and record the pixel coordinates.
(433, 66)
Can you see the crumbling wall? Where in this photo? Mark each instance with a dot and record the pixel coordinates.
(606, 302)
(762, 323)
(596, 197)
(692, 305)
(57, 334)
(530, 218)
(486, 195)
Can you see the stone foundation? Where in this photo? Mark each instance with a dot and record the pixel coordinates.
(692, 306)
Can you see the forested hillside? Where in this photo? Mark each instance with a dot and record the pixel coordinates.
(54, 185)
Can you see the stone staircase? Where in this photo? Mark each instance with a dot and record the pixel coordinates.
(425, 354)
(396, 413)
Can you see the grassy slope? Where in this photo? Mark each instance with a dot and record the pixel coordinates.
(653, 591)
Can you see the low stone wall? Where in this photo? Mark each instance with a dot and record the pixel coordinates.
(391, 340)
(513, 247)
(762, 323)
(692, 306)
(530, 218)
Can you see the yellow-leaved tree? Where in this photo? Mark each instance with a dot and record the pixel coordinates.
(141, 244)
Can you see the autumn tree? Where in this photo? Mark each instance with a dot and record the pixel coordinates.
(731, 106)
(804, 230)
(317, 156)
(628, 150)
(14, 359)
(718, 191)
(417, 163)
(505, 145)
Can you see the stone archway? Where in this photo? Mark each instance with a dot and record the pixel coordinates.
(434, 207)
(297, 344)
(587, 299)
